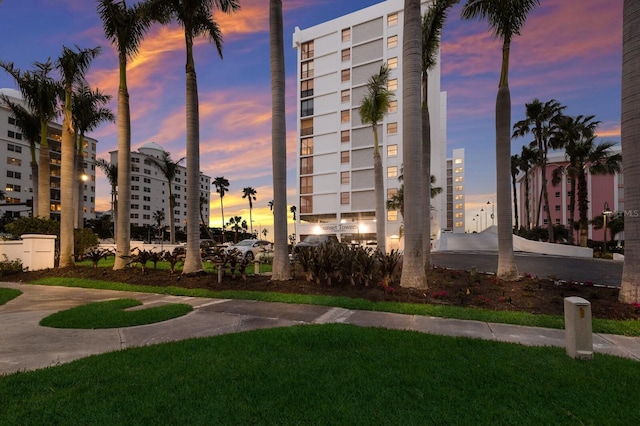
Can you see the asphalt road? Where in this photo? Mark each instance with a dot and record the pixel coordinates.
(600, 272)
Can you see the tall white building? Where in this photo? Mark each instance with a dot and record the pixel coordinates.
(15, 155)
(150, 191)
(335, 150)
(455, 192)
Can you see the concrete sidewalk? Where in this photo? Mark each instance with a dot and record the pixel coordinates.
(25, 345)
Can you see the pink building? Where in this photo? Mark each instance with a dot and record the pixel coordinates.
(602, 189)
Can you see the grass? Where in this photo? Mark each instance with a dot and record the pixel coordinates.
(112, 314)
(7, 294)
(327, 374)
(627, 328)
(164, 266)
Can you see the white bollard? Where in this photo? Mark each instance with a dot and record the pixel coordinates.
(577, 326)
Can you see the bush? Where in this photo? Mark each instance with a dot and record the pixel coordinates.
(8, 267)
(32, 225)
(83, 241)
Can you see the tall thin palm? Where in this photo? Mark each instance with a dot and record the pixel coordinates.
(515, 162)
(540, 119)
(124, 27)
(281, 270)
(432, 24)
(110, 171)
(29, 126)
(169, 169)
(205, 225)
(506, 19)
(527, 160)
(196, 19)
(630, 285)
(372, 110)
(40, 92)
(413, 274)
(222, 187)
(89, 112)
(294, 211)
(250, 194)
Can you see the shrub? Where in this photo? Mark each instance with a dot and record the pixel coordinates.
(83, 240)
(32, 225)
(8, 267)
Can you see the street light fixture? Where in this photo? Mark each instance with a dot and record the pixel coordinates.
(605, 212)
(485, 220)
(492, 213)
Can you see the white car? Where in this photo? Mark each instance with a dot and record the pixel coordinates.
(251, 248)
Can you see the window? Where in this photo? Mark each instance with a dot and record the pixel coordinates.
(307, 50)
(392, 19)
(146, 189)
(393, 106)
(135, 169)
(306, 108)
(306, 146)
(135, 197)
(345, 156)
(459, 215)
(146, 207)
(345, 75)
(14, 148)
(557, 208)
(306, 166)
(392, 150)
(458, 179)
(392, 215)
(392, 63)
(392, 41)
(135, 206)
(345, 178)
(458, 161)
(147, 180)
(306, 70)
(306, 184)
(459, 206)
(306, 204)
(13, 188)
(145, 198)
(12, 120)
(459, 197)
(459, 169)
(15, 175)
(147, 171)
(346, 54)
(392, 128)
(306, 88)
(134, 215)
(459, 225)
(545, 222)
(14, 161)
(344, 198)
(135, 178)
(557, 221)
(146, 216)
(392, 84)
(306, 127)
(135, 160)
(569, 193)
(345, 95)
(345, 116)
(346, 34)
(458, 187)
(392, 171)
(345, 136)
(147, 162)
(135, 188)
(557, 194)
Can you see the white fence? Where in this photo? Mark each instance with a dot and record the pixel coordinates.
(36, 251)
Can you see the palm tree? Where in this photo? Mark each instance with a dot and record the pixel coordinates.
(29, 126)
(527, 160)
(413, 274)
(540, 119)
(515, 162)
(111, 173)
(294, 210)
(281, 270)
(630, 285)
(158, 216)
(432, 24)
(169, 168)
(40, 92)
(250, 193)
(236, 225)
(372, 110)
(196, 19)
(72, 65)
(506, 18)
(222, 186)
(88, 112)
(205, 225)
(124, 27)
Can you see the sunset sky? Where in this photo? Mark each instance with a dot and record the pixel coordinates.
(569, 51)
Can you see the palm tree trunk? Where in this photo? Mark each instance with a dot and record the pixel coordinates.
(412, 264)
(426, 174)
(630, 285)
(281, 269)
(34, 184)
(515, 200)
(572, 213)
(79, 193)
(222, 214)
(44, 175)
(545, 194)
(68, 209)
(381, 235)
(193, 260)
(123, 229)
(172, 225)
(583, 206)
(527, 206)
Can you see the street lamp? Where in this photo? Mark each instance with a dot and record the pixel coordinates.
(485, 220)
(605, 212)
(476, 222)
(492, 213)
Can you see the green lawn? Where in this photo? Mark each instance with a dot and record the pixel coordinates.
(628, 328)
(7, 294)
(327, 374)
(112, 314)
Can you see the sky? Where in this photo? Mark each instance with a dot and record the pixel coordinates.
(570, 51)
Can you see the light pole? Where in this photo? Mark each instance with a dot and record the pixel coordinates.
(605, 212)
(485, 220)
(477, 219)
(492, 213)
(476, 222)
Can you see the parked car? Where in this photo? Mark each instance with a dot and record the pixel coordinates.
(251, 248)
(316, 241)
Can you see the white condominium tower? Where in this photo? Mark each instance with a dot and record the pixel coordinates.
(335, 150)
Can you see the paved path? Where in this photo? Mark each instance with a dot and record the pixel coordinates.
(25, 345)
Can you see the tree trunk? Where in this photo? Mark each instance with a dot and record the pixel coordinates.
(381, 235)
(426, 175)
(527, 206)
(583, 206)
(281, 269)
(545, 194)
(413, 265)
(67, 185)
(193, 260)
(515, 200)
(44, 175)
(34, 184)
(572, 212)
(123, 206)
(172, 224)
(630, 286)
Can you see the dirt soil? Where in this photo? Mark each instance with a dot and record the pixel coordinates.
(447, 287)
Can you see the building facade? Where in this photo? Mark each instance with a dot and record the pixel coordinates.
(455, 192)
(16, 178)
(335, 150)
(604, 192)
(150, 191)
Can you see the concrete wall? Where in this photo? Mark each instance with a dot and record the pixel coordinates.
(34, 250)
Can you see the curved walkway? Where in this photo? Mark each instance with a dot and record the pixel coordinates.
(25, 345)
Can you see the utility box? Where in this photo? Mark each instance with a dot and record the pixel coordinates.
(577, 326)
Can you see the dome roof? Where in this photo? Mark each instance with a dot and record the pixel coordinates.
(151, 145)
(13, 93)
